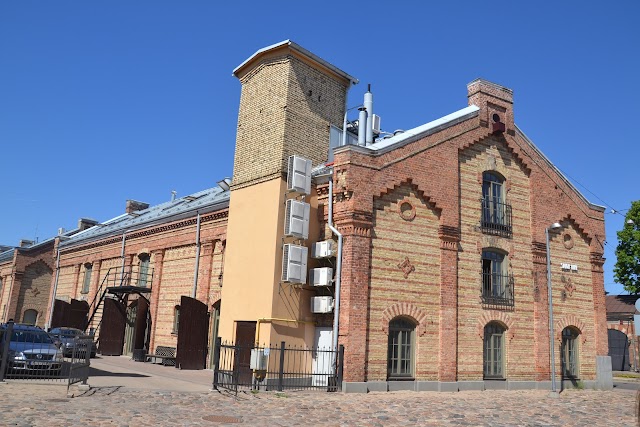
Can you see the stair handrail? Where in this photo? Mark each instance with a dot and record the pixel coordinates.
(95, 303)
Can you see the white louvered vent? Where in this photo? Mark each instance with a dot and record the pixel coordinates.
(297, 219)
(294, 263)
(321, 276)
(324, 249)
(299, 175)
(321, 304)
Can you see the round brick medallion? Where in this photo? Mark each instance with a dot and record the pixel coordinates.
(407, 210)
(567, 240)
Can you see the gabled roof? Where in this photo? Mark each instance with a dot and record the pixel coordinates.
(298, 49)
(204, 201)
(8, 255)
(620, 306)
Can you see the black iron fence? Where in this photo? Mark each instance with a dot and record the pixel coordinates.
(277, 368)
(29, 353)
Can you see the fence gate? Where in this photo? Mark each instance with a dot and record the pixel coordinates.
(114, 318)
(192, 334)
(80, 361)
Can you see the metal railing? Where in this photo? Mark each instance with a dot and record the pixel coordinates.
(29, 353)
(497, 289)
(279, 368)
(496, 217)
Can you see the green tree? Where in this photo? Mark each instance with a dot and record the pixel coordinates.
(627, 269)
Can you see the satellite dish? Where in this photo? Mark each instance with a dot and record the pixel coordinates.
(638, 304)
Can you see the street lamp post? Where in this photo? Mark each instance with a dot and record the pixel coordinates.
(552, 355)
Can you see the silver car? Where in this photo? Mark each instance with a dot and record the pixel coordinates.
(32, 349)
(65, 338)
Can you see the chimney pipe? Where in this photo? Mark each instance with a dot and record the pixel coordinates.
(368, 104)
(362, 126)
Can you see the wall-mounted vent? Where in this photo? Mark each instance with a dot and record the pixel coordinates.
(294, 264)
(297, 219)
(324, 249)
(299, 175)
(321, 304)
(321, 276)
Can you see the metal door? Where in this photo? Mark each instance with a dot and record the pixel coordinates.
(141, 325)
(192, 334)
(78, 312)
(322, 356)
(618, 350)
(245, 336)
(112, 328)
(60, 314)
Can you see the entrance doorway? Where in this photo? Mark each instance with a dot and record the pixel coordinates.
(322, 356)
(129, 332)
(245, 335)
(619, 350)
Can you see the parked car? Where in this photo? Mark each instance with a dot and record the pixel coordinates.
(65, 339)
(31, 349)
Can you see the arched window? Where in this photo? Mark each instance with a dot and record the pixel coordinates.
(401, 348)
(569, 353)
(493, 351)
(496, 281)
(30, 317)
(496, 214)
(143, 272)
(86, 281)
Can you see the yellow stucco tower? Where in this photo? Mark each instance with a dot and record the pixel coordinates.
(290, 98)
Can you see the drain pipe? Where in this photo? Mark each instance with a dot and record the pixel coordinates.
(124, 239)
(336, 307)
(55, 289)
(195, 273)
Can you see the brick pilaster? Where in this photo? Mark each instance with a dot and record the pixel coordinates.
(155, 293)
(540, 313)
(448, 361)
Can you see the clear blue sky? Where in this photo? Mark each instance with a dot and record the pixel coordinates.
(106, 101)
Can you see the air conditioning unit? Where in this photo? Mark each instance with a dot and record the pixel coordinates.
(259, 360)
(294, 263)
(299, 175)
(321, 276)
(297, 219)
(324, 249)
(321, 304)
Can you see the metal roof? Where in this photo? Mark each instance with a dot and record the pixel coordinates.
(301, 50)
(204, 201)
(620, 306)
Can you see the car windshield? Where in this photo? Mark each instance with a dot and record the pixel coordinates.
(70, 333)
(31, 336)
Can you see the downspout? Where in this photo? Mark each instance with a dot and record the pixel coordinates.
(55, 290)
(195, 273)
(336, 309)
(124, 239)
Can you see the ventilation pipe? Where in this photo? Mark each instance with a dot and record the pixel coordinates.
(197, 266)
(368, 104)
(362, 126)
(336, 307)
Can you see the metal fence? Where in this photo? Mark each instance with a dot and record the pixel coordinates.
(29, 353)
(249, 367)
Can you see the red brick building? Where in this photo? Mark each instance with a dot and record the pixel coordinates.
(443, 278)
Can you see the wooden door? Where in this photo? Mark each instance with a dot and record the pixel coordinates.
(78, 314)
(112, 328)
(60, 313)
(245, 336)
(192, 334)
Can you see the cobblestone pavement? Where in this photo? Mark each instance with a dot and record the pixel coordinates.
(49, 405)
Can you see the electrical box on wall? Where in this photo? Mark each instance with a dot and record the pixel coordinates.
(297, 219)
(294, 263)
(324, 249)
(259, 360)
(321, 276)
(299, 175)
(321, 305)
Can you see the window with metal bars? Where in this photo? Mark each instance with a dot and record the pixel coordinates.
(400, 358)
(143, 272)
(86, 282)
(494, 351)
(569, 353)
(496, 213)
(497, 284)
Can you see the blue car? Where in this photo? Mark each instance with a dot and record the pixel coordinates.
(31, 349)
